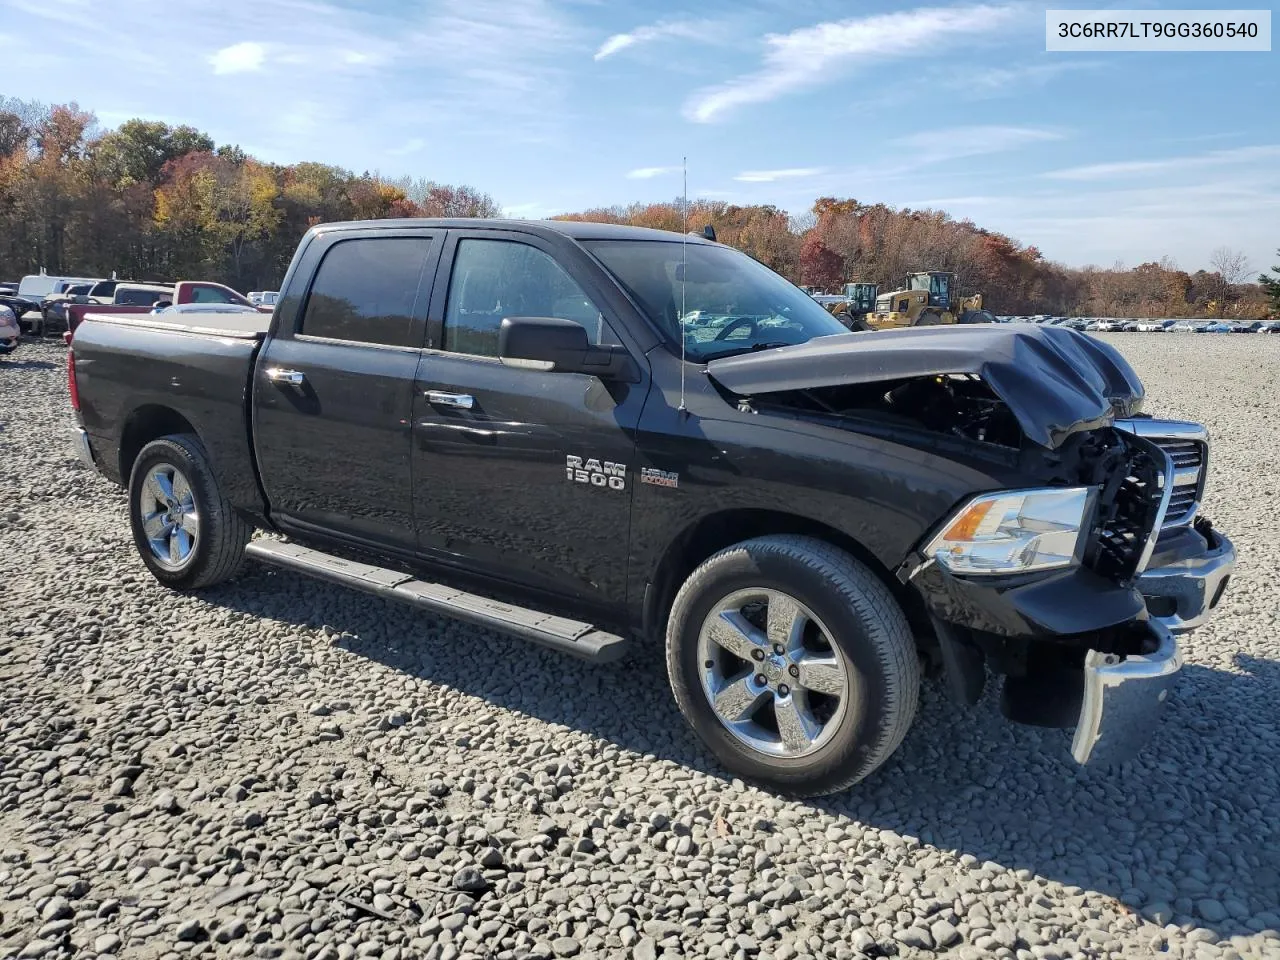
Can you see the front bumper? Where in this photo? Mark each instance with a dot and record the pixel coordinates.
(1184, 589)
(1121, 690)
(1123, 700)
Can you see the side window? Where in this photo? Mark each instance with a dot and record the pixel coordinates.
(365, 290)
(210, 295)
(493, 279)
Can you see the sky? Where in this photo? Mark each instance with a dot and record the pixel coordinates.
(560, 105)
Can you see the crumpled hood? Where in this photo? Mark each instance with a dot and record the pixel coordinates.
(1055, 381)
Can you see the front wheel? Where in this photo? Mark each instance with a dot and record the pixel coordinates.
(185, 530)
(793, 663)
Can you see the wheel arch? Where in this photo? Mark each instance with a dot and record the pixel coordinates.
(716, 531)
(146, 423)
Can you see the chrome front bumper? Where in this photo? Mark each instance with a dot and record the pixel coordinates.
(1182, 595)
(82, 448)
(1123, 700)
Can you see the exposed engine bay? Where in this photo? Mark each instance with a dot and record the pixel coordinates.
(958, 405)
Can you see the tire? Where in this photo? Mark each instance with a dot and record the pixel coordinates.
(197, 507)
(928, 319)
(849, 624)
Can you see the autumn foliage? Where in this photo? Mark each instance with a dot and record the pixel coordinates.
(155, 202)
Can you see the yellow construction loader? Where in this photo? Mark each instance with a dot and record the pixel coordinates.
(852, 304)
(928, 300)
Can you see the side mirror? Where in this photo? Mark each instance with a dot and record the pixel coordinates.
(553, 344)
(161, 304)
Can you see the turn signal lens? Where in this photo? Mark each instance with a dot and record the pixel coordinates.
(1018, 531)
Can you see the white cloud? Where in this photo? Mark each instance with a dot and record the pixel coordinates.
(411, 146)
(935, 146)
(1131, 168)
(769, 176)
(657, 31)
(814, 55)
(243, 57)
(1016, 78)
(648, 173)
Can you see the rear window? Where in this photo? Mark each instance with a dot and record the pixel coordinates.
(140, 298)
(366, 289)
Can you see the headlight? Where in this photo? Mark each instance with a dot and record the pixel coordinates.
(1014, 532)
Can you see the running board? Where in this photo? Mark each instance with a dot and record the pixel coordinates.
(568, 636)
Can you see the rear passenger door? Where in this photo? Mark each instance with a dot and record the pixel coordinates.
(333, 391)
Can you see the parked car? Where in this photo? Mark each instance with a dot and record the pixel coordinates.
(53, 308)
(32, 289)
(1270, 326)
(1149, 326)
(1253, 327)
(10, 333)
(1183, 326)
(783, 515)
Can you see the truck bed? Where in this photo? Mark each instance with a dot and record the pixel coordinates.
(132, 368)
(242, 326)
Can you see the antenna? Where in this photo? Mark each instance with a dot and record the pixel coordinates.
(684, 272)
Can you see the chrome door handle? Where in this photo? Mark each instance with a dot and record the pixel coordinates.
(462, 401)
(279, 375)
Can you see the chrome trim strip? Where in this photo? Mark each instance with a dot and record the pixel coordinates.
(1157, 525)
(1165, 429)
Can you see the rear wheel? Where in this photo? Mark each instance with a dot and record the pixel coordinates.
(186, 532)
(793, 663)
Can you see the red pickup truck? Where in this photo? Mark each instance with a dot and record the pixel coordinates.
(186, 291)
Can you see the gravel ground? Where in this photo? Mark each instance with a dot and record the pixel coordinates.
(281, 768)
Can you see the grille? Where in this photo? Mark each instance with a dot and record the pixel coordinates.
(1188, 465)
(1128, 517)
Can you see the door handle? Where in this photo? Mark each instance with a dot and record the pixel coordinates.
(461, 401)
(279, 375)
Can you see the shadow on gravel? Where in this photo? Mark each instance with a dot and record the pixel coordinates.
(1189, 831)
(28, 365)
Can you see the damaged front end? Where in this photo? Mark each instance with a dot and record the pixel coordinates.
(1094, 645)
(1088, 637)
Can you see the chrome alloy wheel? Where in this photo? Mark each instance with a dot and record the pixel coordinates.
(771, 673)
(170, 521)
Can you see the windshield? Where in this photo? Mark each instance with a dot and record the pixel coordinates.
(731, 303)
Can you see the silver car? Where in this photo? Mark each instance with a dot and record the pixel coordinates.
(9, 331)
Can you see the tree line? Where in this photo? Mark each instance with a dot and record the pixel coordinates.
(150, 201)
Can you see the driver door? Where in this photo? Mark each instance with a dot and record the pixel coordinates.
(522, 474)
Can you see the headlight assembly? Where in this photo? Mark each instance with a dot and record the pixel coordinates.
(1017, 531)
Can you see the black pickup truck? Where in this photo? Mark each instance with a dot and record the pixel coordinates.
(600, 437)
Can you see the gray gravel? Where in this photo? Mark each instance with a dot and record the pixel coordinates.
(276, 768)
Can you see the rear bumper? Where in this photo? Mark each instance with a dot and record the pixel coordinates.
(1123, 700)
(83, 449)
